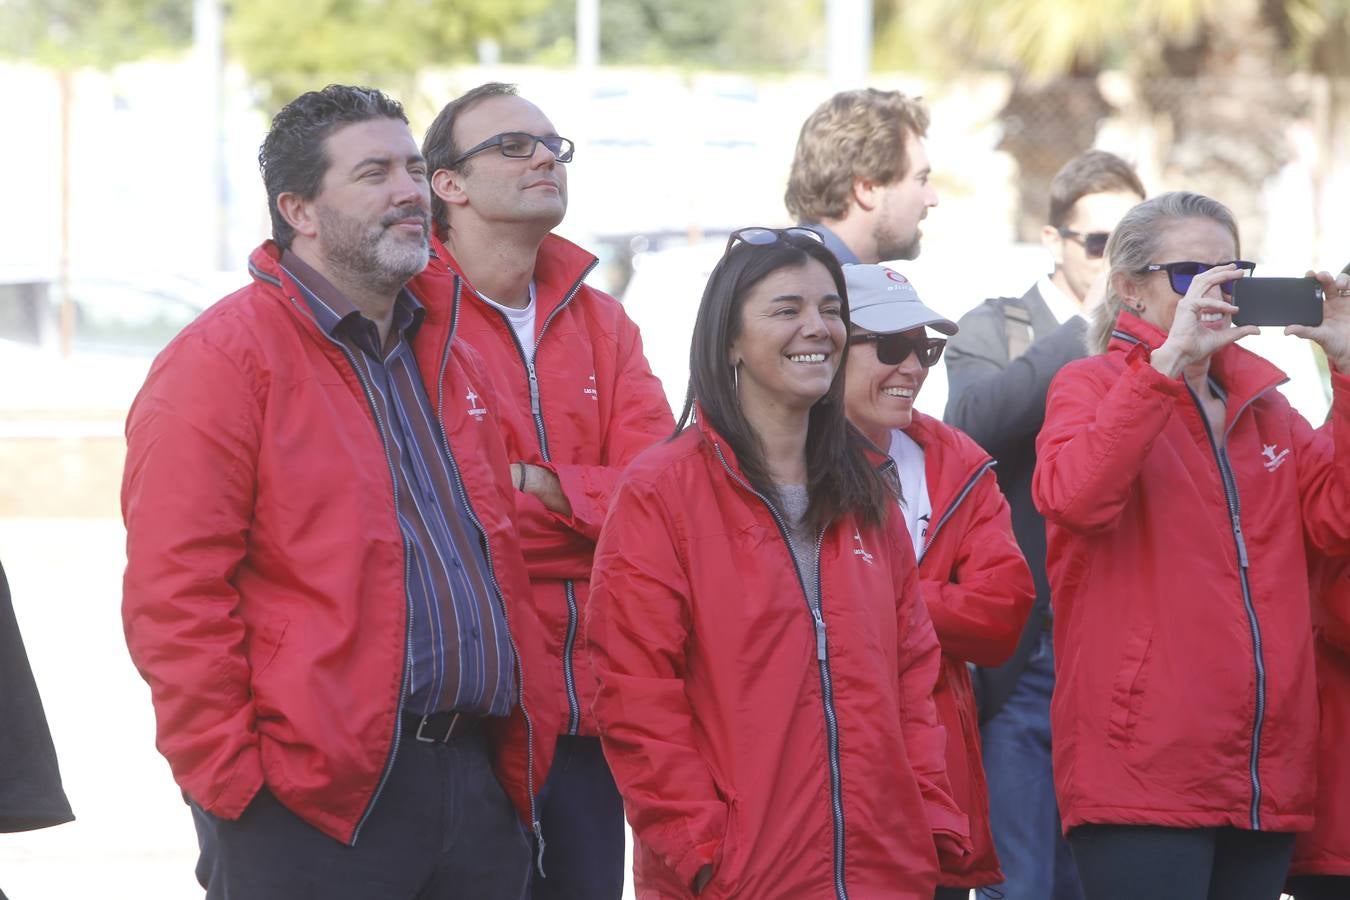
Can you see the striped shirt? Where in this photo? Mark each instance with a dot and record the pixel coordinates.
(459, 654)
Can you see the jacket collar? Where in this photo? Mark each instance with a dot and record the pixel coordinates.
(441, 307)
(1241, 374)
(559, 268)
(948, 465)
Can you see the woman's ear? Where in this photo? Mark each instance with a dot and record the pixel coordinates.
(1127, 289)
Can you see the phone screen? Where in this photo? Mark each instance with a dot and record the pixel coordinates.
(1277, 301)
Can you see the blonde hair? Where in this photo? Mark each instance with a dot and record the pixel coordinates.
(1137, 239)
(854, 134)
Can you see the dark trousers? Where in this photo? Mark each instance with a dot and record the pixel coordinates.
(1144, 862)
(1320, 887)
(441, 829)
(581, 815)
(1023, 814)
(949, 893)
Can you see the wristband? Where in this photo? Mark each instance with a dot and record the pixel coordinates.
(521, 486)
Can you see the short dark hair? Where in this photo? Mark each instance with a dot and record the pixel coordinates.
(840, 478)
(1090, 172)
(293, 158)
(438, 147)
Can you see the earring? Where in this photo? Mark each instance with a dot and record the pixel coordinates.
(736, 379)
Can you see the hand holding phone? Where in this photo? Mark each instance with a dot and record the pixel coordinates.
(1277, 301)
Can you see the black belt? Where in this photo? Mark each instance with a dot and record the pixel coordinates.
(442, 727)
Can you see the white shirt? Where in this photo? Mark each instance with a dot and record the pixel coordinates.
(522, 320)
(1062, 306)
(917, 508)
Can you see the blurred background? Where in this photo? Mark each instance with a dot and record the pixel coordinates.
(131, 199)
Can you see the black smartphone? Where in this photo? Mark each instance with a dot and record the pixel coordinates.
(1277, 301)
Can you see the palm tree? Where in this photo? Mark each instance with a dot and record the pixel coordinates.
(1213, 77)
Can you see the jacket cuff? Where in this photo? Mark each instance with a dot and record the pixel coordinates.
(1139, 362)
(243, 785)
(699, 856)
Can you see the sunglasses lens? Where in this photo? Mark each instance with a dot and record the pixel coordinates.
(892, 349)
(1094, 244)
(931, 353)
(758, 236)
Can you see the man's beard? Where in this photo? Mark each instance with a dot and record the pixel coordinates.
(889, 246)
(372, 254)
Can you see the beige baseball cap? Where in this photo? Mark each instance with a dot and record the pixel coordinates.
(882, 300)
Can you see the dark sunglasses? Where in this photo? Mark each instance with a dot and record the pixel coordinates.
(520, 145)
(893, 349)
(759, 236)
(1094, 242)
(1181, 274)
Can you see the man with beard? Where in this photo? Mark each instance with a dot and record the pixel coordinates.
(324, 588)
(860, 175)
(578, 402)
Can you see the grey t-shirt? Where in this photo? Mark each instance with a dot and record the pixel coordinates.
(793, 500)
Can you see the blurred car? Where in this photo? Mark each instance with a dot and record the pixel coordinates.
(120, 323)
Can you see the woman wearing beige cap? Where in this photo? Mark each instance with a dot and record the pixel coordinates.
(972, 574)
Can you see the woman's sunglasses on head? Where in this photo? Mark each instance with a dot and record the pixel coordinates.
(893, 349)
(759, 236)
(1180, 274)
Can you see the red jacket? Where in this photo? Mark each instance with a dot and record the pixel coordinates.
(1326, 849)
(591, 407)
(1184, 677)
(740, 732)
(979, 593)
(263, 598)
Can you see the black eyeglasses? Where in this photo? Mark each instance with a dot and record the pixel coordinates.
(759, 236)
(893, 349)
(1181, 274)
(1094, 242)
(520, 145)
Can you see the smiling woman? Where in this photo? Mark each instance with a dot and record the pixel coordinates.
(1180, 492)
(765, 662)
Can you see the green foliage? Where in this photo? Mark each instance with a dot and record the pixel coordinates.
(68, 34)
(730, 34)
(1046, 39)
(305, 44)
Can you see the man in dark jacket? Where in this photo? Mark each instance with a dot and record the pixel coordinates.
(999, 367)
(31, 796)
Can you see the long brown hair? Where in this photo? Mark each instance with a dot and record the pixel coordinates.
(840, 479)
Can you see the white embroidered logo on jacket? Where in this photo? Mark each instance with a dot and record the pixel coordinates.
(1273, 461)
(860, 550)
(478, 412)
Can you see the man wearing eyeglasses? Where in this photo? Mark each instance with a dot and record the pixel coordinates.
(860, 175)
(578, 403)
(324, 586)
(999, 367)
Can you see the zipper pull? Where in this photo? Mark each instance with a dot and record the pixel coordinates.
(820, 635)
(539, 840)
(534, 388)
(1241, 542)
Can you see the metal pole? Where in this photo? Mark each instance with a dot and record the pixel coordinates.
(588, 34)
(848, 40)
(65, 79)
(208, 46)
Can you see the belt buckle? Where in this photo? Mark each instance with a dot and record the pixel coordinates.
(449, 731)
